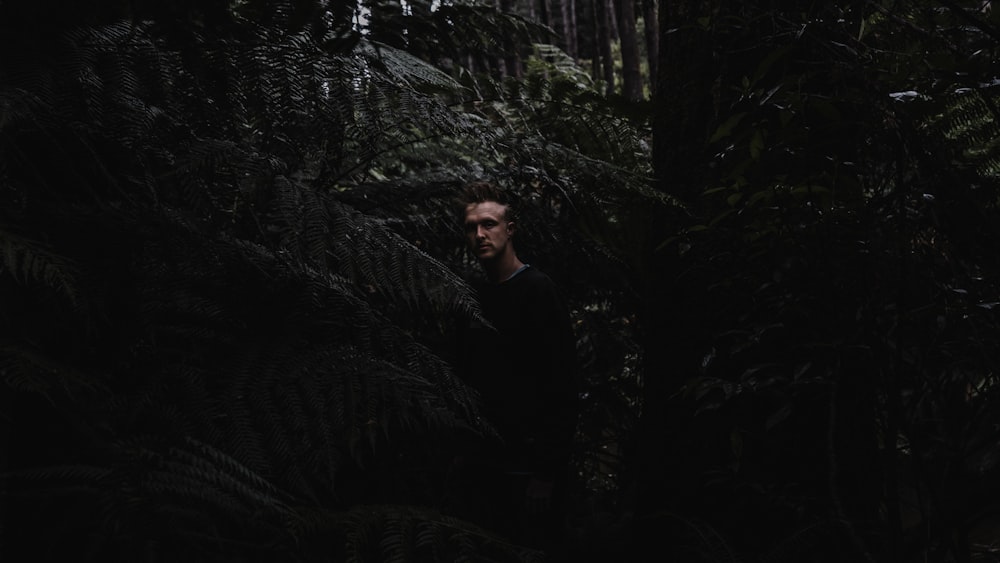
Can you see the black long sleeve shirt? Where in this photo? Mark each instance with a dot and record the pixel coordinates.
(525, 370)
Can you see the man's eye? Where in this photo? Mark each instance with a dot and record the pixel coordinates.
(489, 224)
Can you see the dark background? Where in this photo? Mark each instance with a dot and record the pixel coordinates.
(229, 269)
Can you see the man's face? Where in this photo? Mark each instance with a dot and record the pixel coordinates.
(487, 230)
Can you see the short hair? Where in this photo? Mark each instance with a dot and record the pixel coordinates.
(481, 191)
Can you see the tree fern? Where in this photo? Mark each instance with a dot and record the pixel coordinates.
(970, 119)
(404, 533)
(30, 263)
(577, 166)
(254, 223)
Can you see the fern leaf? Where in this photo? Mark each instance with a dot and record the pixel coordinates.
(30, 262)
(405, 68)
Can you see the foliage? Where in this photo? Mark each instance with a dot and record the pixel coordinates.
(836, 282)
(228, 270)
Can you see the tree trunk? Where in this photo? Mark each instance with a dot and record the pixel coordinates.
(684, 76)
(596, 53)
(684, 84)
(545, 13)
(602, 39)
(609, 7)
(631, 78)
(512, 60)
(652, 27)
(569, 27)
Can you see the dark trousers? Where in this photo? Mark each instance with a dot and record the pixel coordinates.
(483, 492)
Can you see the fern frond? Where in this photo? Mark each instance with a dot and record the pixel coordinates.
(121, 70)
(409, 71)
(970, 120)
(383, 87)
(27, 368)
(55, 478)
(407, 533)
(315, 227)
(207, 463)
(29, 262)
(325, 368)
(19, 106)
(821, 535)
(692, 539)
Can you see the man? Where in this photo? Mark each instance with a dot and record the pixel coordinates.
(524, 368)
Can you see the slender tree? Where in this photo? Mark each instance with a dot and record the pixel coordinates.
(570, 33)
(603, 58)
(628, 36)
(650, 17)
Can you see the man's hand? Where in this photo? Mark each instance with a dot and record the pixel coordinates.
(538, 495)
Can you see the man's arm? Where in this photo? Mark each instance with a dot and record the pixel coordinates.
(559, 386)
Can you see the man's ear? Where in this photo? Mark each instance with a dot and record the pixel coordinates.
(510, 228)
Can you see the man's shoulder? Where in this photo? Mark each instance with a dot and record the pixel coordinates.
(532, 276)
(536, 284)
(528, 285)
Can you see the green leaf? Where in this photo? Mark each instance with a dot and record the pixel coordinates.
(757, 144)
(720, 217)
(726, 129)
(777, 416)
(736, 443)
(757, 196)
(766, 64)
(715, 190)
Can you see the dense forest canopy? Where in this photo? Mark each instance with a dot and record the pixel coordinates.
(230, 267)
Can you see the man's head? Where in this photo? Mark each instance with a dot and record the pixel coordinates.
(488, 222)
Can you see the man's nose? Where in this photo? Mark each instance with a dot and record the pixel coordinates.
(480, 233)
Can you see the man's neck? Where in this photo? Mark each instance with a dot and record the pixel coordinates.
(502, 268)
